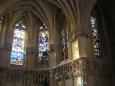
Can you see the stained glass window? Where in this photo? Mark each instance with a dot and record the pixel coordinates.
(43, 43)
(18, 49)
(1, 23)
(95, 34)
(64, 45)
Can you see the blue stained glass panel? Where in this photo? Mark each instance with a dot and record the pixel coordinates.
(95, 34)
(43, 43)
(17, 54)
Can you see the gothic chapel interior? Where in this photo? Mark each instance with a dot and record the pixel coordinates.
(57, 42)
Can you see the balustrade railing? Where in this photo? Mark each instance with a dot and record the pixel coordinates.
(76, 68)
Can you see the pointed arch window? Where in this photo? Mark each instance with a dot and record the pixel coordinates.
(64, 45)
(1, 23)
(18, 45)
(1, 32)
(94, 21)
(43, 45)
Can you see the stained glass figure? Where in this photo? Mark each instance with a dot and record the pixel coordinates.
(95, 34)
(43, 43)
(18, 49)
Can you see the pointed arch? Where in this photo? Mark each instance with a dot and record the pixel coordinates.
(18, 45)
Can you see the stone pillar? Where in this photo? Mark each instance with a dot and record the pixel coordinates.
(52, 56)
(31, 46)
(54, 47)
(85, 45)
(5, 47)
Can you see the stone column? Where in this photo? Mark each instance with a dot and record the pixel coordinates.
(52, 56)
(54, 47)
(85, 45)
(31, 46)
(5, 43)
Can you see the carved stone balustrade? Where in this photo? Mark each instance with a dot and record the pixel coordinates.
(22, 76)
(82, 67)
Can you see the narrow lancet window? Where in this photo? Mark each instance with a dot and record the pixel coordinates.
(18, 45)
(43, 45)
(64, 45)
(95, 34)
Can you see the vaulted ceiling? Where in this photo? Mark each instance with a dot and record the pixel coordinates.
(75, 11)
(45, 9)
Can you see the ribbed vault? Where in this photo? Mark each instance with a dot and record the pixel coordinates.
(76, 11)
(41, 9)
